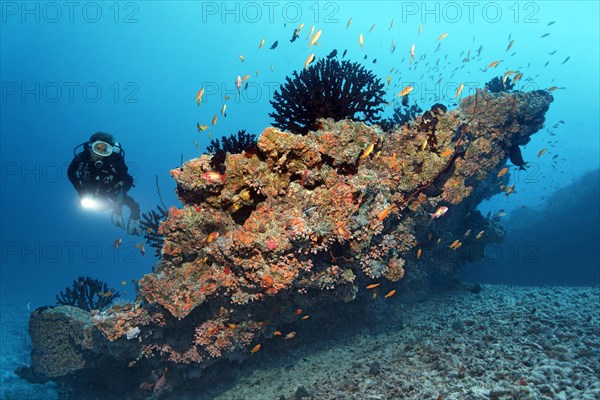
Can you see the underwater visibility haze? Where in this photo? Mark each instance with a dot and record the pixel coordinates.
(300, 200)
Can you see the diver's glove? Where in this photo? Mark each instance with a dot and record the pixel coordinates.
(117, 220)
(134, 227)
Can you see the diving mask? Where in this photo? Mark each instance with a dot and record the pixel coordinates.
(102, 149)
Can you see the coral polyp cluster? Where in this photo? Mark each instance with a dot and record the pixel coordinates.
(327, 89)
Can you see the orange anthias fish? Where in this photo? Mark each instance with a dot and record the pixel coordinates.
(480, 235)
(373, 285)
(383, 215)
(310, 58)
(517, 77)
(509, 190)
(442, 36)
(361, 41)
(255, 349)
(502, 172)
(506, 75)
(213, 177)
(405, 91)
(290, 336)
(143, 249)
(367, 151)
(390, 294)
(344, 232)
(262, 42)
(493, 64)
(315, 38)
(214, 120)
(419, 253)
(199, 96)
(460, 88)
(439, 212)
(446, 153)
(541, 153)
(211, 237)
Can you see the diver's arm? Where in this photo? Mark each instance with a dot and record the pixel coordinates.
(72, 174)
(123, 178)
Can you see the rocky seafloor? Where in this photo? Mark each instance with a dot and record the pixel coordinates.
(503, 343)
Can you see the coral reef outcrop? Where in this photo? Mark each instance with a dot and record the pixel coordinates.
(261, 247)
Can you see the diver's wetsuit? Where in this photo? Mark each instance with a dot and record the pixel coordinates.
(107, 181)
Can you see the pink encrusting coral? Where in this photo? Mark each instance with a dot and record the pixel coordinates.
(306, 220)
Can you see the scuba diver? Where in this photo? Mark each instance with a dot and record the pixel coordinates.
(99, 174)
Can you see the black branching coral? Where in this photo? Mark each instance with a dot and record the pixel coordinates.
(88, 294)
(233, 144)
(150, 223)
(496, 85)
(327, 89)
(402, 115)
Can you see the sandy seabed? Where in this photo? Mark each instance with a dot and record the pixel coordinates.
(505, 342)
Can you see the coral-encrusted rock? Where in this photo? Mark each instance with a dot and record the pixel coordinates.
(59, 337)
(305, 221)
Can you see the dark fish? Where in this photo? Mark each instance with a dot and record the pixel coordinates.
(544, 35)
(332, 54)
(561, 121)
(515, 156)
(365, 57)
(246, 86)
(405, 100)
(566, 59)
(294, 36)
(274, 45)
(555, 157)
(344, 53)
(551, 23)
(374, 61)
(547, 62)
(552, 52)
